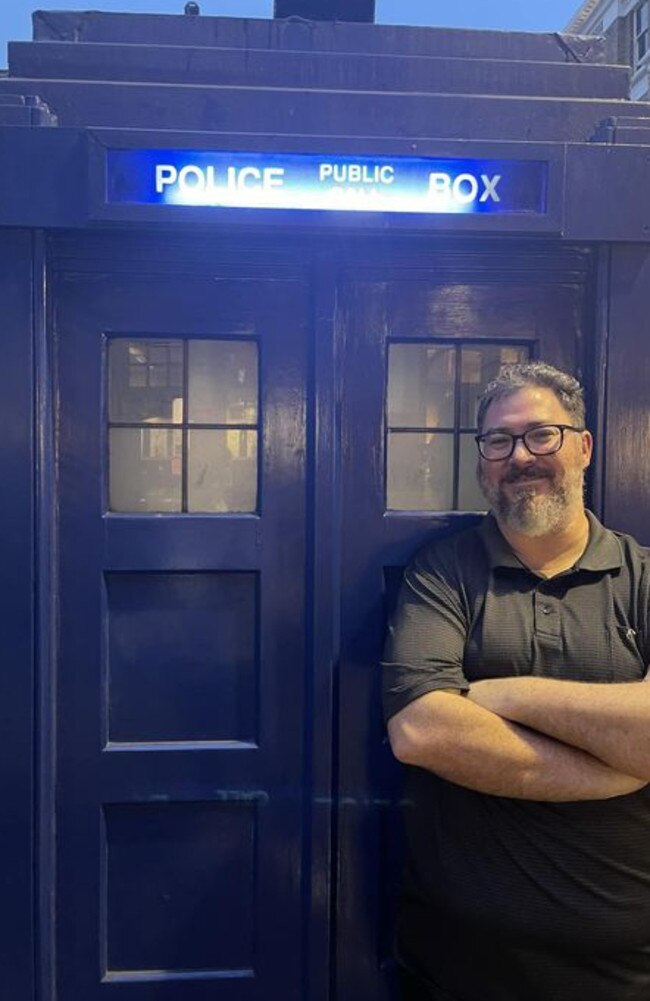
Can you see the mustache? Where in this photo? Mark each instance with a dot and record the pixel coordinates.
(515, 475)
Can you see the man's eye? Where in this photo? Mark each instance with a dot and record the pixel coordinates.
(498, 441)
(540, 436)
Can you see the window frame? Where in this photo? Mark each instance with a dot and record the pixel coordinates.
(641, 34)
(458, 430)
(184, 426)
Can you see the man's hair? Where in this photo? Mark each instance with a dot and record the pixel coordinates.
(534, 373)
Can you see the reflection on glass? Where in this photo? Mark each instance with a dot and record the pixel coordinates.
(470, 497)
(145, 380)
(420, 386)
(420, 472)
(222, 471)
(479, 365)
(222, 382)
(147, 463)
(145, 469)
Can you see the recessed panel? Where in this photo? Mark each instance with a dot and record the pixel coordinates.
(182, 656)
(179, 889)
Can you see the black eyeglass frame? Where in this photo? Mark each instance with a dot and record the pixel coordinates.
(480, 438)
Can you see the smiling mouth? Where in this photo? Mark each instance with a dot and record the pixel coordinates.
(525, 481)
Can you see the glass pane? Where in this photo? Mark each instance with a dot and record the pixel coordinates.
(470, 497)
(222, 382)
(420, 386)
(479, 365)
(222, 471)
(145, 381)
(420, 472)
(145, 469)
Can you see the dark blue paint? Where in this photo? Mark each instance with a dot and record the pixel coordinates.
(17, 682)
(224, 753)
(316, 37)
(182, 659)
(180, 63)
(173, 871)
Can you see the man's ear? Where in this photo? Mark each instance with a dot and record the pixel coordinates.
(587, 447)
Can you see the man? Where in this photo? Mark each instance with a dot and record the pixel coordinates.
(514, 688)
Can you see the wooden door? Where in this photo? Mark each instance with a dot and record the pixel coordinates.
(418, 346)
(181, 804)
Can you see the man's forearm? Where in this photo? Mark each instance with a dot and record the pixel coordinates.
(610, 722)
(473, 747)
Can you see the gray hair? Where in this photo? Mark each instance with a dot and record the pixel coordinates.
(534, 373)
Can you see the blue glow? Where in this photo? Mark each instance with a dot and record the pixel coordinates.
(216, 179)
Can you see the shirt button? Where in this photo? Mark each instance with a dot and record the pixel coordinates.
(546, 609)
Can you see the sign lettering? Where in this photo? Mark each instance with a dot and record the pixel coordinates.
(218, 179)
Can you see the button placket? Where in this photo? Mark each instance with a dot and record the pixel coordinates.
(547, 614)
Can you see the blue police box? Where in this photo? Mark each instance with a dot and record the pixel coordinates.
(255, 274)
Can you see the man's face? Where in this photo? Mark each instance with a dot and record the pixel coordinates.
(534, 495)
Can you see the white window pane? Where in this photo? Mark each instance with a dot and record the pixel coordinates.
(223, 382)
(479, 365)
(145, 469)
(145, 380)
(421, 380)
(420, 472)
(470, 497)
(222, 471)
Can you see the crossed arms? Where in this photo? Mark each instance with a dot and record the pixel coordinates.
(531, 738)
(524, 737)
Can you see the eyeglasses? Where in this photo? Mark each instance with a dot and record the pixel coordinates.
(543, 440)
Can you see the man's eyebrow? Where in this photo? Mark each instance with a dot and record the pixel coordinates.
(527, 427)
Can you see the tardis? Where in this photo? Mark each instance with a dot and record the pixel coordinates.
(254, 275)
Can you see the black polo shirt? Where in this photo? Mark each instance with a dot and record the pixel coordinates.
(516, 900)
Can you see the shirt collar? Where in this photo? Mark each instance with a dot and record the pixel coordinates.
(603, 550)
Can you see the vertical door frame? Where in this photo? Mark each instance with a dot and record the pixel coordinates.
(626, 476)
(323, 580)
(46, 627)
(21, 295)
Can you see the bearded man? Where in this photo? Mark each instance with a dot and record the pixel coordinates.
(514, 689)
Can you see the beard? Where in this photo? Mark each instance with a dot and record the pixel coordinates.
(529, 512)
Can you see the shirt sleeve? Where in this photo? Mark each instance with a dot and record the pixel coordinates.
(426, 637)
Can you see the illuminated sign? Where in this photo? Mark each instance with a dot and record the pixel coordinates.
(338, 183)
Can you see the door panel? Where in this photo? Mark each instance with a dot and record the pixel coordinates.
(475, 325)
(180, 682)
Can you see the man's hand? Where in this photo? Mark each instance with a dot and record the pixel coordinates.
(609, 721)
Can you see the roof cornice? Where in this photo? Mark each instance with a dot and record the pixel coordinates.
(581, 15)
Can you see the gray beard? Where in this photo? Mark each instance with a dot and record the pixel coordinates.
(534, 514)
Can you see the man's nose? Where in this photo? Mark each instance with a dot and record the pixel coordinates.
(520, 454)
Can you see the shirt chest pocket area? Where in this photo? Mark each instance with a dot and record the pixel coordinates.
(626, 662)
